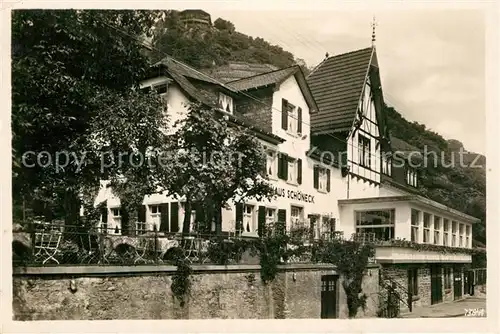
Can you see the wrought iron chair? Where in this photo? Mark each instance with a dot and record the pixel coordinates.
(47, 244)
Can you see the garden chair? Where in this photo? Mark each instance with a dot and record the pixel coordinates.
(47, 244)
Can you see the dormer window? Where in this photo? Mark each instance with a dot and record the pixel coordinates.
(160, 87)
(386, 164)
(411, 176)
(226, 103)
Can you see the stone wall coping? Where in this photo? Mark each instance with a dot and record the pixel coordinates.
(167, 269)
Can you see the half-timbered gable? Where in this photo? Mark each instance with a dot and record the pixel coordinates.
(348, 91)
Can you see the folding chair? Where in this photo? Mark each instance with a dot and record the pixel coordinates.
(47, 244)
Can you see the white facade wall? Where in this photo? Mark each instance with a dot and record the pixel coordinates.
(314, 201)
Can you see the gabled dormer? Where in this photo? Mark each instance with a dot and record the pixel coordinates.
(350, 120)
(279, 101)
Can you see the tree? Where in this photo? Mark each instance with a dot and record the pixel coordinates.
(222, 24)
(75, 76)
(214, 162)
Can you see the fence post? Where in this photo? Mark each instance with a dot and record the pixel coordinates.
(31, 231)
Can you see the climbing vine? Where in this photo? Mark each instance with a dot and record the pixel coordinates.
(350, 259)
(181, 280)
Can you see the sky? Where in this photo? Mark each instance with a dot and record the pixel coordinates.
(431, 61)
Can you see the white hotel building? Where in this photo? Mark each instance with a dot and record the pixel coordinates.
(338, 108)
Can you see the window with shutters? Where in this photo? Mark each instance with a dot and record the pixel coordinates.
(155, 214)
(104, 222)
(249, 224)
(117, 218)
(289, 169)
(364, 151)
(291, 119)
(327, 227)
(192, 218)
(116, 213)
(271, 166)
(315, 225)
(270, 216)
(292, 171)
(297, 216)
(141, 225)
(386, 165)
(321, 179)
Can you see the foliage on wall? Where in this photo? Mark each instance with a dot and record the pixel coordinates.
(350, 259)
(181, 280)
(429, 247)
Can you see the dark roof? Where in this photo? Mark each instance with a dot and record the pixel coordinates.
(185, 70)
(263, 79)
(336, 85)
(276, 78)
(238, 70)
(181, 73)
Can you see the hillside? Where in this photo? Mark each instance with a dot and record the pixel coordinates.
(223, 52)
(220, 42)
(445, 180)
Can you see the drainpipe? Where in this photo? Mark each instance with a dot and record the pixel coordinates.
(348, 175)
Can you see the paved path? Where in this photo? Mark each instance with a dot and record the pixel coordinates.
(468, 307)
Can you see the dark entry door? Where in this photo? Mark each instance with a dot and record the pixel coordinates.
(329, 296)
(436, 284)
(457, 282)
(469, 282)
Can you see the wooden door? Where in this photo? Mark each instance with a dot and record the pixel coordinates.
(329, 296)
(436, 284)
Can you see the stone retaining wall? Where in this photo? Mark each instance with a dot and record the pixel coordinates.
(232, 292)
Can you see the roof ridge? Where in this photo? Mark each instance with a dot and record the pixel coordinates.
(350, 52)
(336, 56)
(256, 75)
